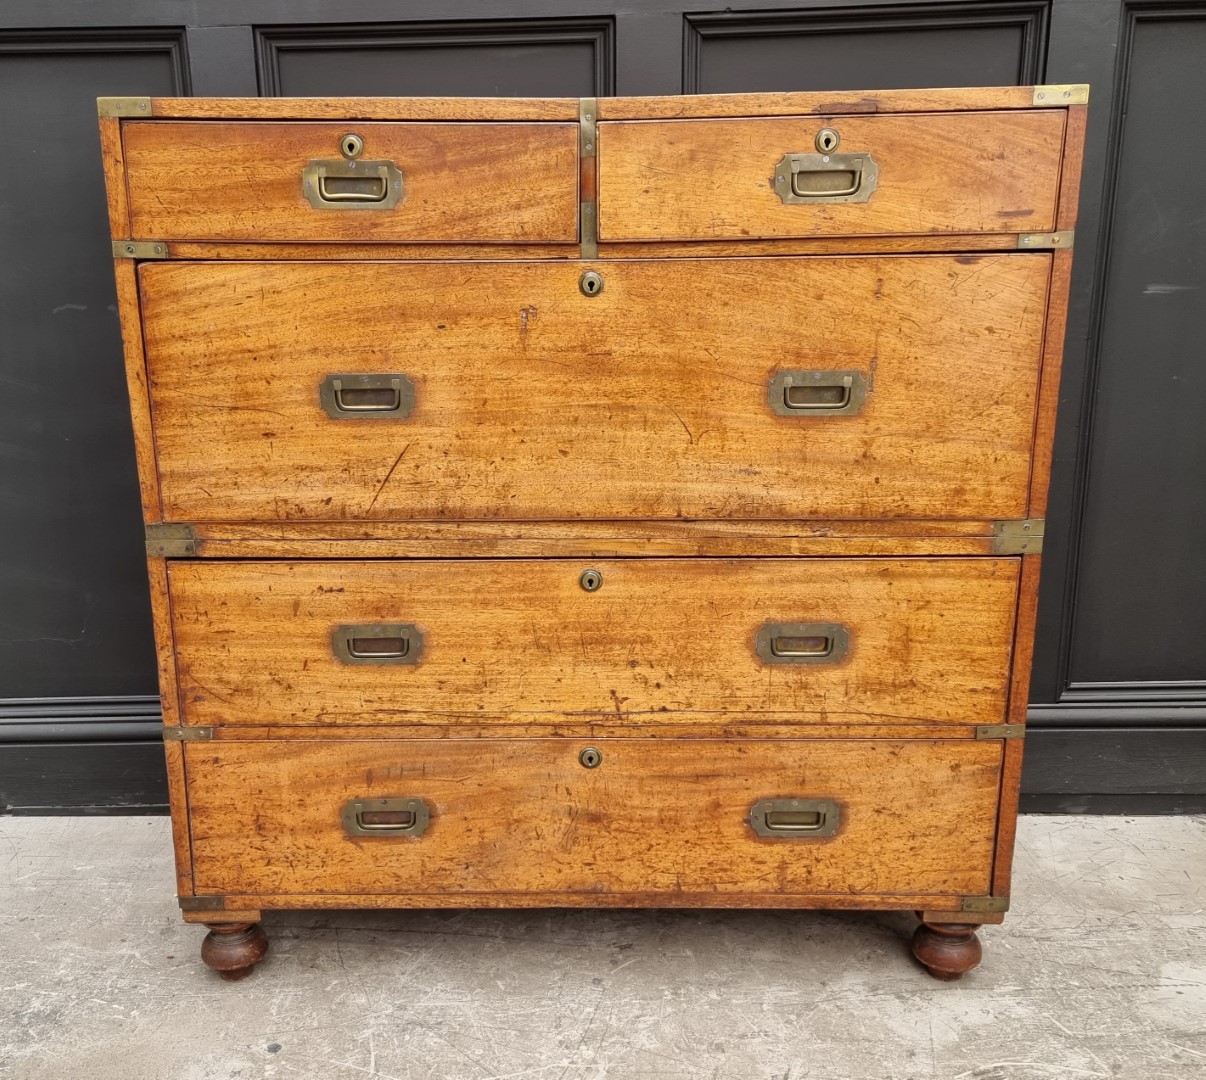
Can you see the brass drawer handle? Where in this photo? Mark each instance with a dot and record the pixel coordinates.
(386, 817)
(358, 396)
(818, 393)
(377, 643)
(802, 643)
(795, 819)
(352, 185)
(826, 178)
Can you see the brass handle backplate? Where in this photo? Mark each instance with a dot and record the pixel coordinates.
(802, 643)
(386, 817)
(817, 393)
(826, 178)
(352, 185)
(362, 396)
(795, 819)
(377, 643)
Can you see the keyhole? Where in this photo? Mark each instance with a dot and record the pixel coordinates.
(351, 146)
(590, 758)
(590, 580)
(591, 283)
(827, 140)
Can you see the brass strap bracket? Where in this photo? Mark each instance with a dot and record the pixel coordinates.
(1047, 241)
(172, 733)
(171, 541)
(1022, 537)
(201, 903)
(985, 904)
(588, 148)
(1062, 94)
(124, 107)
(1000, 731)
(139, 249)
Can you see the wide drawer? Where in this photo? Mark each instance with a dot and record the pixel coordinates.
(509, 816)
(772, 641)
(411, 181)
(779, 388)
(889, 176)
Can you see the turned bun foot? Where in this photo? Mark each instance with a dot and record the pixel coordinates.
(947, 950)
(233, 949)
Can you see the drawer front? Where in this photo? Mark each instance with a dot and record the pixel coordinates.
(505, 392)
(410, 182)
(890, 176)
(876, 641)
(913, 818)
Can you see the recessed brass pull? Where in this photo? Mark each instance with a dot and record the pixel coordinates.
(386, 817)
(795, 819)
(818, 393)
(352, 184)
(377, 643)
(354, 395)
(802, 643)
(826, 178)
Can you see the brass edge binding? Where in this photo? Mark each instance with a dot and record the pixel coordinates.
(139, 249)
(124, 108)
(1062, 94)
(174, 733)
(1047, 241)
(201, 903)
(1000, 731)
(171, 541)
(985, 904)
(588, 142)
(1022, 537)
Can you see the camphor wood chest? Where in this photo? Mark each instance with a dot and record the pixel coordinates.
(632, 502)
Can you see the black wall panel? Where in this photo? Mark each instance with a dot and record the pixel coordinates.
(1119, 693)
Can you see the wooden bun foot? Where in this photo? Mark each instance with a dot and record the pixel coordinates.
(947, 950)
(233, 949)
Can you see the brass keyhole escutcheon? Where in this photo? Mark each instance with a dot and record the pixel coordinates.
(590, 580)
(351, 146)
(827, 140)
(591, 283)
(590, 758)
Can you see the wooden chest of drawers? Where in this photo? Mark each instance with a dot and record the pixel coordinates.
(622, 502)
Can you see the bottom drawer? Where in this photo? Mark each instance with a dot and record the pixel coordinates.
(651, 819)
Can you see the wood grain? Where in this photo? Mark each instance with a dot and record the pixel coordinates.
(129, 314)
(113, 163)
(714, 179)
(365, 108)
(817, 103)
(660, 640)
(647, 401)
(461, 182)
(525, 816)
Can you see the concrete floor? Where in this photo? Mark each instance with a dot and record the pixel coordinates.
(1099, 971)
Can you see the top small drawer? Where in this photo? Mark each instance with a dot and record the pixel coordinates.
(346, 181)
(782, 177)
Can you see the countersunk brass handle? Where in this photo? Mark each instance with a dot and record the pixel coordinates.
(362, 396)
(826, 178)
(795, 819)
(802, 643)
(377, 643)
(817, 393)
(386, 817)
(352, 185)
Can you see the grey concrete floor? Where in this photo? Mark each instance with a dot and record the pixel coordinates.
(1099, 971)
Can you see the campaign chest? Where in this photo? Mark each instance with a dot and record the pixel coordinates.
(620, 502)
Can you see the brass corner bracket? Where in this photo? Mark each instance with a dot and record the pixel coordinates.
(588, 149)
(175, 733)
(139, 249)
(1062, 94)
(1022, 537)
(124, 108)
(171, 541)
(1047, 241)
(1000, 731)
(201, 903)
(986, 904)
